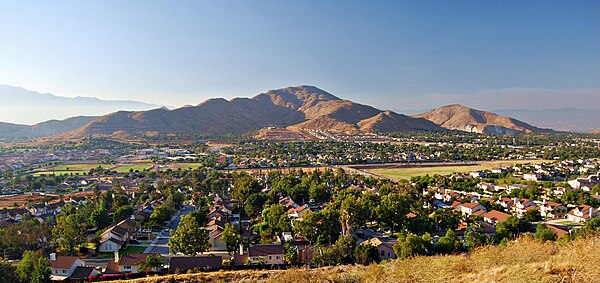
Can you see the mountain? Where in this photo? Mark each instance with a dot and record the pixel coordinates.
(48, 128)
(295, 108)
(459, 117)
(563, 119)
(29, 107)
(596, 132)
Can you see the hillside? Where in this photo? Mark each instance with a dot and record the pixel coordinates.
(459, 117)
(52, 127)
(297, 108)
(525, 260)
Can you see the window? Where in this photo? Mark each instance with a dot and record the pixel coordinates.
(63, 271)
(269, 257)
(127, 267)
(382, 253)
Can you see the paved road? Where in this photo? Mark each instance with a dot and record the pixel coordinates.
(160, 245)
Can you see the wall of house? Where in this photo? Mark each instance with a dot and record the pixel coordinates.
(108, 247)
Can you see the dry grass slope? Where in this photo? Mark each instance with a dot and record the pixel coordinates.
(526, 260)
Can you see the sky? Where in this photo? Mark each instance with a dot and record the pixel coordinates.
(420, 54)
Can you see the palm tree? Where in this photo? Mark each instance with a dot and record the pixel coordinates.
(152, 263)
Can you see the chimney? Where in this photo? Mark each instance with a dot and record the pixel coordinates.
(116, 256)
(241, 249)
(53, 257)
(591, 212)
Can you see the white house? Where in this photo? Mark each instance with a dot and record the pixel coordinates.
(63, 266)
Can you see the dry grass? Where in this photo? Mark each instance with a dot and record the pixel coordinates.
(523, 261)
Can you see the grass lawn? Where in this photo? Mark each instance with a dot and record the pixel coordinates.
(59, 172)
(126, 251)
(184, 165)
(138, 166)
(132, 250)
(75, 168)
(407, 173)
(78, 166)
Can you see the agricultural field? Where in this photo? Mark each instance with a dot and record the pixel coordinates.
(409, 172)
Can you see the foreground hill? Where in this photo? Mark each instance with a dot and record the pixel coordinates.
(48, 128)
(458, 117)
(297, 108)
(525, 260)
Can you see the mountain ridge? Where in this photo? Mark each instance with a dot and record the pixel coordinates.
(463, 118)
(296, 108)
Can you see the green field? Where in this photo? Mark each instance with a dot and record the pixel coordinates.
(58, 173)
(184, 165)
(407, 173)
(79, 166)
(138, 166)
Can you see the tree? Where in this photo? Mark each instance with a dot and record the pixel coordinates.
(42, 271)
(410, 245)
(8, 272)
(393, 209)
(449, 243)
(68, 232)
(99, 217)
(365, 254)
(532, 215)
(152, 263)
(27, 265)
(122, 213)
(544, 233)
(231, 237)
(319, 192)
(190, 238)
(511, 228)
(473, 237)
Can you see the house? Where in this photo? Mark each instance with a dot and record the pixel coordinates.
(63, 266)
(214, 238)
(589, 182)
(505, 202)
(82, 273)
(185, 263)
(552, 210)
(582, 213)
(559, 232)
(495, 216)
(471, 208)
(267, 254)
(478, 174)
(384, 245)
(110, 245)
(117, 235)
(126, 264)
(297, 212)
(532, 177)
(521, 206)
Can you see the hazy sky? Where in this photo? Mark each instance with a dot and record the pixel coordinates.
(390, 54)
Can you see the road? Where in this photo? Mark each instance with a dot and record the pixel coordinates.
(160, 245)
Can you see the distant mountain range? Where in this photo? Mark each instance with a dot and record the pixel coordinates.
(22, 106)
(48, 128)
(293, 108)
(297, 108)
